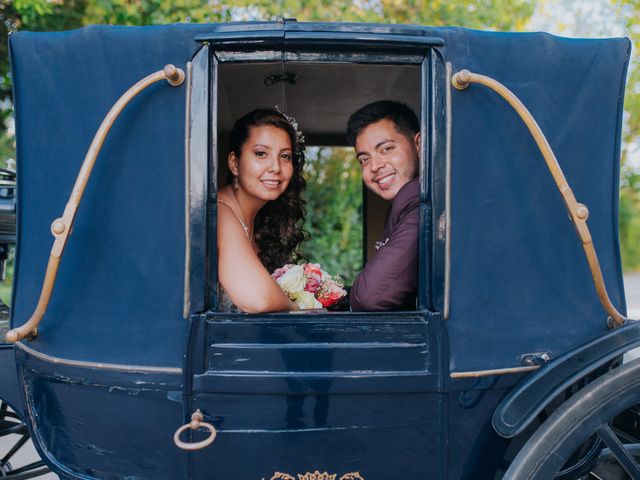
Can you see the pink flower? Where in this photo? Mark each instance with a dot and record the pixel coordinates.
(314, 280)
(281, 271)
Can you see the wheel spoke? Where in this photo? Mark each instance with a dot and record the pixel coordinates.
(16, 429)
(29, 468)
(14, 449)
(26, 475)
(10, 423)
(617, 449)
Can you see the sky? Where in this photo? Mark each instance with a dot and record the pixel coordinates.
(578, 18)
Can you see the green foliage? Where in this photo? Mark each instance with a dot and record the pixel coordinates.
(34, 15)
(7, 282)
(7, 150)
(334, 211)
(630, 220)
(629, 11)
(485, 14)
(156, 12)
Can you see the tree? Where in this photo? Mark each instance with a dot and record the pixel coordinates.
(334, 216)
(36, 15)
(629, 11)
(630, 218)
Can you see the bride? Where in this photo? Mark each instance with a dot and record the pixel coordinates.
(260, 214)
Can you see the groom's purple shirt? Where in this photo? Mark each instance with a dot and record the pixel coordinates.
(389, 281)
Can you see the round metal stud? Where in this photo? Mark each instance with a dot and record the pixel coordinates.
(58, 226)
(582, 212)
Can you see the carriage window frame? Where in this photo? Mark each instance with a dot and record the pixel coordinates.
(431, 97)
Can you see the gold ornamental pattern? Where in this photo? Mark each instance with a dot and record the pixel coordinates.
(317, 476)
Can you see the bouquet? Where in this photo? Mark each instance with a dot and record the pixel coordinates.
(309, 286)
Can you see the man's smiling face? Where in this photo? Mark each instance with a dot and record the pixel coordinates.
(389, 160)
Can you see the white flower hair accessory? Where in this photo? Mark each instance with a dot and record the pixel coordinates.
(294, 123)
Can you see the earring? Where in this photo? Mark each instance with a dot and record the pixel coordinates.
(235, 182)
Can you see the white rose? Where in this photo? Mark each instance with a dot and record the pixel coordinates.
(292, 281)
(305, 300)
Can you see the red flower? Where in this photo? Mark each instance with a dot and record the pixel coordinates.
(312, 268)
(330, 296)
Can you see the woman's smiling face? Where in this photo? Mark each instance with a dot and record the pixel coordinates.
(265, 166)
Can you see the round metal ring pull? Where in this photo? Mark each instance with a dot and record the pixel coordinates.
(195, 424)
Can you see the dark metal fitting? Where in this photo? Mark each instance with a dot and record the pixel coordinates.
(285, 77)
(534, 359)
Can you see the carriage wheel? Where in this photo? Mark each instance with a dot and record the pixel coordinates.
(586, 418)
(10, 424)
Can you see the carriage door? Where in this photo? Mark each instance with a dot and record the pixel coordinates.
(320, 394)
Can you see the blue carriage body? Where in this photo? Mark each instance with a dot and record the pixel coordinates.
(117, 366)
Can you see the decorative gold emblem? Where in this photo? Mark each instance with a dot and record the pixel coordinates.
(317, 476)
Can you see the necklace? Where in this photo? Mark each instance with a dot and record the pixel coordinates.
(246, 229)
(239, 217)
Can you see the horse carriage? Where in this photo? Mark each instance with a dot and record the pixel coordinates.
(119, 362)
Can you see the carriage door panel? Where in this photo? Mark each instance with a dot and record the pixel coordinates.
(343, 394)
(352, 396)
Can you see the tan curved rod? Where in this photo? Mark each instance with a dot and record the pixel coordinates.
(61, 227)
(577, 211)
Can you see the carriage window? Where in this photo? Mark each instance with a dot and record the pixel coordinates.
(344, 219)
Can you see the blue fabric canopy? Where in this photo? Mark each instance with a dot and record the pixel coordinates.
(119, 292)
(519, 280)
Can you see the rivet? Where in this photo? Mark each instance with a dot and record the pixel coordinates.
(582, 212)
(58, 227)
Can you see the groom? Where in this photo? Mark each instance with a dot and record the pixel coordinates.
(386, 137)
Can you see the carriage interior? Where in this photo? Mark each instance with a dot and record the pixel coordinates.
(321, 96)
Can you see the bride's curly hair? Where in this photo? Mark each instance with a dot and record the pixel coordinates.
(278, 231)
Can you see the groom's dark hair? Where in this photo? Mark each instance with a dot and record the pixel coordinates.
(404, 119)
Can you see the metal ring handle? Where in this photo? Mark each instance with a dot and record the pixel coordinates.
(195, 424)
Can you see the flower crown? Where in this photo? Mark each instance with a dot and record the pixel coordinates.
(294, 123)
